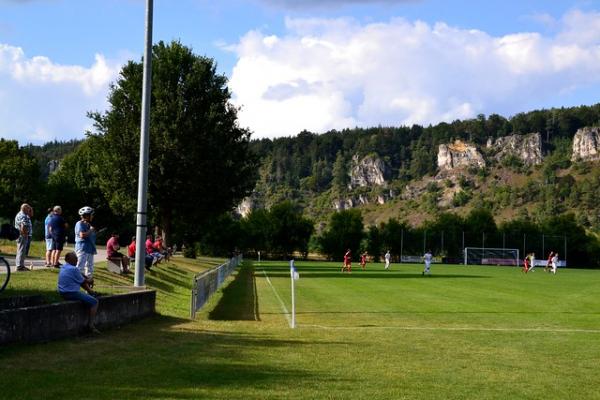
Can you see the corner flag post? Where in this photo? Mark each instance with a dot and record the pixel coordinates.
(294, 276)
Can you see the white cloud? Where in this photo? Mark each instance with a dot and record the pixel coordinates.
(336, 73)
(41, 100)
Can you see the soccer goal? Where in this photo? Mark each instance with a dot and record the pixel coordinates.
(491, 256)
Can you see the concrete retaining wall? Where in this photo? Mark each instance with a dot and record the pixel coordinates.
(70, 318)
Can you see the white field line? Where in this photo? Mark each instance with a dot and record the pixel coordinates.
(448, 329)
(283, 307)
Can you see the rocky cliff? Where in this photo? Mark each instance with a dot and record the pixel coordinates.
(586, 145)
(245, 207)
(370, 171)
(527, 148)
(458, 155)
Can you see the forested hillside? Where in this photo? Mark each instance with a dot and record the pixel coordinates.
(319, 171)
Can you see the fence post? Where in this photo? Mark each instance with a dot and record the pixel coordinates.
(401, 244)
(543, 246)
(565, 238)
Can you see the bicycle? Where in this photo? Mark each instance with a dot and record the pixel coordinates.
(4, 273)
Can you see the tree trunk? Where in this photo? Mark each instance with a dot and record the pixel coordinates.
(166, 227)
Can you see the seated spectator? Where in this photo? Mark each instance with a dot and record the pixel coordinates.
(148, 261)
(159, 246)
(113, 254)
(151, 251)
(70, 280)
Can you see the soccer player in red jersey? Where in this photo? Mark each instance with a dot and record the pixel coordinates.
(526, 264)
(347, 261)
(363, 260)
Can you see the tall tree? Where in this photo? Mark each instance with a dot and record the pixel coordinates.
(19, 177)
(200, 164)
(345, 232)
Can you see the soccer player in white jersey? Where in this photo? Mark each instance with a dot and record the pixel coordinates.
(387, 259)
(531, 262)
(554, 263)
(427, 257)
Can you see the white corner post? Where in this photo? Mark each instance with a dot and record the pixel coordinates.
(293, 276)
(140, 250)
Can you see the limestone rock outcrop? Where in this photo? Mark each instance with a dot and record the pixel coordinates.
(368, 172)
(246, 207)
(459, 155)
(527, 148)
(586, 145)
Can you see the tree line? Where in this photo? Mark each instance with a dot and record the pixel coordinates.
(283, 231)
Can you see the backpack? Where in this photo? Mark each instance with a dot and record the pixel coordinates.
(7, 231)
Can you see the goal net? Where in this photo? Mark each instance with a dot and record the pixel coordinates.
(491, 256)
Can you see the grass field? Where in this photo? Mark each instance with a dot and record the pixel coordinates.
(465, 332)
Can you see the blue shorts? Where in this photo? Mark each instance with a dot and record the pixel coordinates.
(48, 244)
(85, 298)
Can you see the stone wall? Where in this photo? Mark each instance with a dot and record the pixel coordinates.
(46, 322)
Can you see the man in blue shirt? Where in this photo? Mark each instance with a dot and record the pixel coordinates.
(70, 280)
(48, 239)
(85, 242)
(57, 229)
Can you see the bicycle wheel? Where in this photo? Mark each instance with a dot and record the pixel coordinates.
(4, 273)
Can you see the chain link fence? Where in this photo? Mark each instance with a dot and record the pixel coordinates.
(208, 282)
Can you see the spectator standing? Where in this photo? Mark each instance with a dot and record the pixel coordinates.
(48, 239)
(57, 227)
(70, 280)
(23, 224)
(112, 252)
(85, 242)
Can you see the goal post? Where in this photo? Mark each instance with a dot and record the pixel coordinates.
(491, 256)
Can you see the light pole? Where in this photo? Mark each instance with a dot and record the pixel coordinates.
(140, 250)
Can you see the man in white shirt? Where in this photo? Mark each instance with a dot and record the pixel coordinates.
(387, 259)
(427, 257)
(554, 263)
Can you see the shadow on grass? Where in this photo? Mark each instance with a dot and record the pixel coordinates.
(239, 301)
(171, 358)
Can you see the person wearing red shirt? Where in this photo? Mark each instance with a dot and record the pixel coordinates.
(131, 253)
(113, 254)
(160, 247)
(347, 261)
(150, 250)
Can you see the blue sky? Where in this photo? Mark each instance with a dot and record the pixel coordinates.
(305, 64)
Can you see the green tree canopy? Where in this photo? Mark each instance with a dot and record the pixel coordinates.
(200, 163)
(19, 178)
(345, 232)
